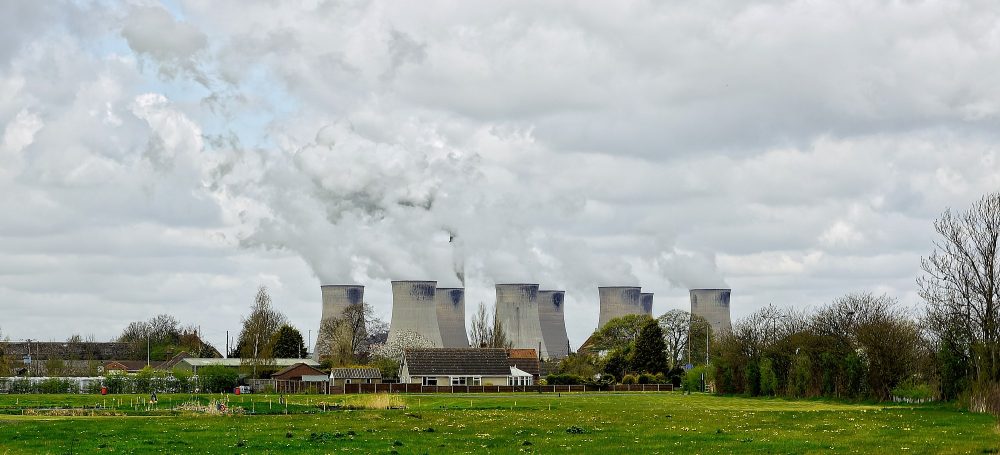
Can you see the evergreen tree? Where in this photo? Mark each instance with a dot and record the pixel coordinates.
(288, 343)
(650, 354)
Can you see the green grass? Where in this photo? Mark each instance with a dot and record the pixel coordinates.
(511, 423)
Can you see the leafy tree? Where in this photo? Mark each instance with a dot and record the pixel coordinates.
(649, 355)
(699, 338)
(288, 343)
(344, 340)
(618, 333)
(675, 325)
(579, 364)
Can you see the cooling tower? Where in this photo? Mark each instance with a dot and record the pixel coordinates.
(647, 303)
(336, 298)
(414, 309)
(618, 301)
(553, 323)
(517, 310)
(713, 305)
(450, 304)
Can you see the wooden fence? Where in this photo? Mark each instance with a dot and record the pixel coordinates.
(323, 388)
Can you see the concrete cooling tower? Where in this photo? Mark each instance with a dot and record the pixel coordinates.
(618, 301)
(414, 309)
(517, 310)
(553, 323)
(713, 305)
(450, 304)
(336, 298)
(647, 303)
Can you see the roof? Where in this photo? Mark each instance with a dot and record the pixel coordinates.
(130, 365)
(174, 361)
(294, 366)
(236, 361)
(514, 371)
(522, 354)
(355, 373)
(457, 361)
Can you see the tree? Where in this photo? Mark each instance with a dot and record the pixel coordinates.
(288, 343)
(217, 378)
(258, 330)
(961, 285)
(619, 333)
(389, 355)
(768, 381)
(675, 326)
(346, 340)
(650, 353)
(487, 330)
(699, 337)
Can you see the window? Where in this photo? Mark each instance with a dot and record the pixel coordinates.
(520, 380)
(429, 381)
(347, 381)
(466, 380)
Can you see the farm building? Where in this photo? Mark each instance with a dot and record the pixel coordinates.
(452, 367)
(361, 375)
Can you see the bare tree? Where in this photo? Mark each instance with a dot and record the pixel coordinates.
(344, 339)
(259, 328)
(487, 330)
(961, 284)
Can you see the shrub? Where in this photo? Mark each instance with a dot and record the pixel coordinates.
(563, 379)
(629, 379)
(217, 378)
(911, 390)
(768, 380)
(646, 378)
(692, 381)
(660, 378)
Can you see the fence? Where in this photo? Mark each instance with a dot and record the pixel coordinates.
(289, 386)
(417, 388)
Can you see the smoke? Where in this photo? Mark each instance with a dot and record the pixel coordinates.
(689, 270)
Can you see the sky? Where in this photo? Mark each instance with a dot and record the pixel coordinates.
(172, 157)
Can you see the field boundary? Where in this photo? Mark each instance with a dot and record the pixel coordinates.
(279, 386)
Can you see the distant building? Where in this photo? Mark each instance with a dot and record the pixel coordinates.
(459, 367)
(192, 364)
(362, 375)
(525, 360)
(300, 372)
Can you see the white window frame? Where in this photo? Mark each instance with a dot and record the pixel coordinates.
(465, 380)
(425, 380)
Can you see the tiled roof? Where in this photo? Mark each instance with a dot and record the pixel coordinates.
(355, 373)
(294, 366)
(528, 364)
(455, 362)
(522, 354)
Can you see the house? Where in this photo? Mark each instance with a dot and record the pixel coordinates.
(300, 372)
(192, 364)
(358, 375)
(459, 367)
(525, 360)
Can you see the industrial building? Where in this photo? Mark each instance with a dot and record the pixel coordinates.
(647, 303)
(618, 301)
(713, 305)
(553, 322)
(450, 305)
(336, 299)
(517, 310)
(414, 309)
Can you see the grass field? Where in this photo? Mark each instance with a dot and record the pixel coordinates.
(511, 423)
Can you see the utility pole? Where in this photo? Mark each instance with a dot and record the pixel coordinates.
(147, 349)
(225, 355)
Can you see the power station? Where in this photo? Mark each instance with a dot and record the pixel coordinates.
(531, 318)
(336, 299)
(414, 308)
(618, 301)
(553, 322)
(713, 305)
(517, 310)
(450, 305)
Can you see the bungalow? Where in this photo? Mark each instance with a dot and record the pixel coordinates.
(357, 375)
(192, 364)
(459, 367)
(525, 360)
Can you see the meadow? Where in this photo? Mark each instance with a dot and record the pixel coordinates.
(484, 423)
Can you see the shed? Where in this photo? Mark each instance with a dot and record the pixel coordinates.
(300, 372)
(356, 375)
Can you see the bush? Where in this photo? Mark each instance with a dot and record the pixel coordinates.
(217, 378)
(56, 385)
(660, 378)
(646, 378)
(629, 379)
(564, 379)
(911, 390)
(692, 381)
